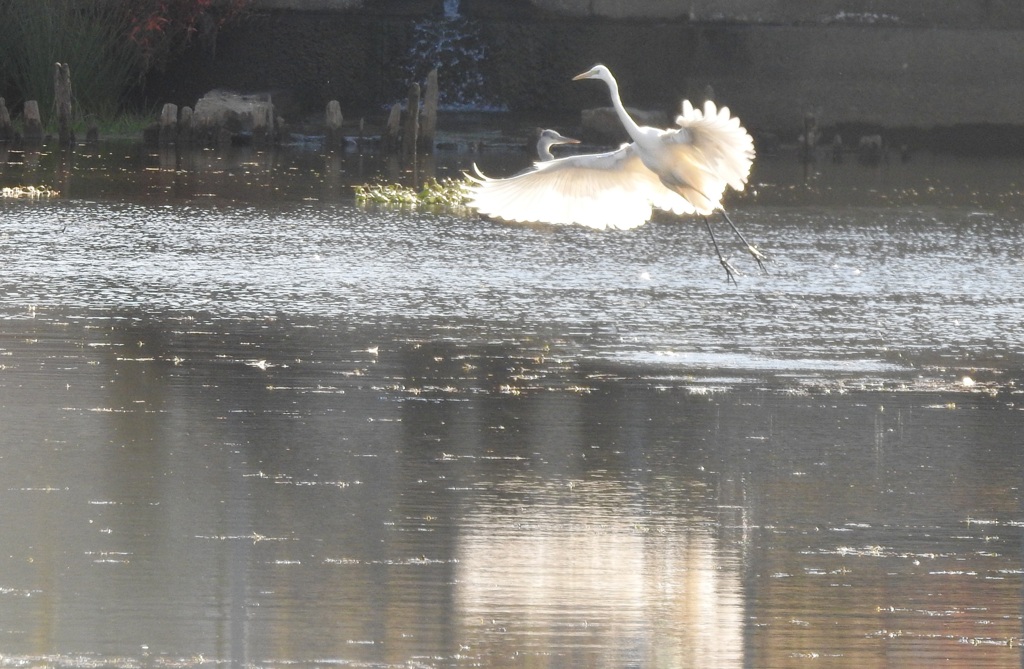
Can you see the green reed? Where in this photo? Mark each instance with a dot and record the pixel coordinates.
(90, 35)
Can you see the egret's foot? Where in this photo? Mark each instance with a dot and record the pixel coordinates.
(758, 257)
(730, 271)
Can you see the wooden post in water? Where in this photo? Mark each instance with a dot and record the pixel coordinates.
(33, 124)
(92, 129)
(168, 124)
(62, 100)
(263, 123)
(332, 122)
(810, 137)
(185, 125)
(428, 123)
(394, 129)
(6, 128)
(412, 122)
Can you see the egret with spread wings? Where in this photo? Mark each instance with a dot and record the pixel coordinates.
(683, 170)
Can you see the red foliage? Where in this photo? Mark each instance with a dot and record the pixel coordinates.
(159, 27)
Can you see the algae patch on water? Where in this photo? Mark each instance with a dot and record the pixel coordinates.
(26, 192)
(449, 193)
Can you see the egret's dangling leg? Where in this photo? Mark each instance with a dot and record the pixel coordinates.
(729, 269)
(759, 257)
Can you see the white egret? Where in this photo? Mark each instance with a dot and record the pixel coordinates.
(545, 141)
(684, 170)
(549, 138)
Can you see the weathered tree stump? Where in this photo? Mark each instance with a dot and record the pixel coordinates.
(428, 122)
(412, 122)
(33, 124)
(837, 149)
(62, 100)
(222, 117)
(809, 138)
(168, 125)
(185, 125)
(6, 128)
(389, 143)
(332, 122)
(92, 129)
(870, 149)
(263, 124)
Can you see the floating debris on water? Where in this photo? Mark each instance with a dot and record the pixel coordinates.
(26, 192)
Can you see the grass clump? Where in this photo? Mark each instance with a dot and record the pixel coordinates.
(126, 125)
(448, 193)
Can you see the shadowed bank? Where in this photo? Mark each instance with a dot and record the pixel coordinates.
(933, 77)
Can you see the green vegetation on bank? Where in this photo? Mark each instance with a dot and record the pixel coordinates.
(448, 193)
(109, 46)
(90, 37)
(125, 124)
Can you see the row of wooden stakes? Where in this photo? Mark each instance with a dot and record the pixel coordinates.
(417, 132)
(33, 126)
(221, 117)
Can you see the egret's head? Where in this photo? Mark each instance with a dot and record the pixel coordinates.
(551, 137)
(596, 72)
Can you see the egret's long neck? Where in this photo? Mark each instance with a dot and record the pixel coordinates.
(631, 127)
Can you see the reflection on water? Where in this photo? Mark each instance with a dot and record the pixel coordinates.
(640, 587)
(168, 492)
(246, 422)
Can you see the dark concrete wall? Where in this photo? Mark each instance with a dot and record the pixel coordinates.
(924, 13)
(304, 58)
(998, 14)
(890, 73)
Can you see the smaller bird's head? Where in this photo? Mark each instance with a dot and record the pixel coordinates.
(597, 72)
(551, 137)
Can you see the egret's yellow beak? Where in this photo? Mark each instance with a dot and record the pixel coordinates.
(583, 75)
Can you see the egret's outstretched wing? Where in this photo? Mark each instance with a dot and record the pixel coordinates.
(604, 190)
(709, 151)
(726, 145)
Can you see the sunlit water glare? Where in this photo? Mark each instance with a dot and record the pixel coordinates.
(869, 287)
(246, 421)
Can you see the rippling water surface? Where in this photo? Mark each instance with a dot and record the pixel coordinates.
(247, 421)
